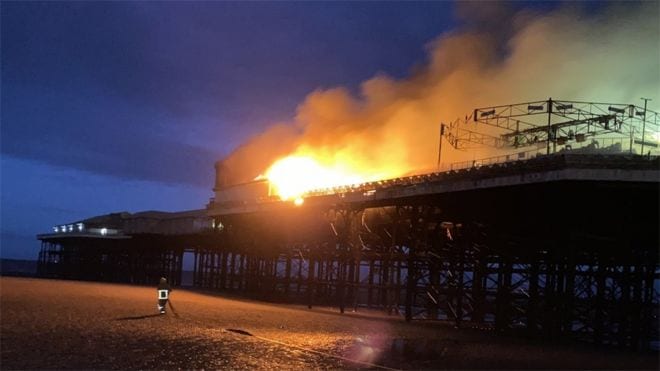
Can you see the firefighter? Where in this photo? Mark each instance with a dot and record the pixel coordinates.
(163, 290)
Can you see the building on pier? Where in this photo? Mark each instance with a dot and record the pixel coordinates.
(121, 247)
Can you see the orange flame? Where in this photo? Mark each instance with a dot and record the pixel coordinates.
(292, 176)
(390, 128)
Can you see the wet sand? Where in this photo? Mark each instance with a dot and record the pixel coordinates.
(52, 324)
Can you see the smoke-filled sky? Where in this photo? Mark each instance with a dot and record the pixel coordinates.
(125, 106)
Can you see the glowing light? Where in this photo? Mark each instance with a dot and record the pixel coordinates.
(292, 176)
(104, 231)
(299, 201)
(656, 136)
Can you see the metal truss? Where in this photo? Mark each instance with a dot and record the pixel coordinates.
(555, 123)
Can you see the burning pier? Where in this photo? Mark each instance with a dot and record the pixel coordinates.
(555, 246)
(561, 243)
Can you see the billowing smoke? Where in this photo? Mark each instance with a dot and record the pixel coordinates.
(498, 57)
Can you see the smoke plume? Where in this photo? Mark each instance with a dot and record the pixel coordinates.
(497, 57)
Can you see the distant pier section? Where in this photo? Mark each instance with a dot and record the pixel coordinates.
(121, 247)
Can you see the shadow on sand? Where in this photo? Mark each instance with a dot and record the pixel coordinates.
(138, 317)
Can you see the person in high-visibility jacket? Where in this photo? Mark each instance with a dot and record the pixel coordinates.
(163, 294)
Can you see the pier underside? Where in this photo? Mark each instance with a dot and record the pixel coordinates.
(573, 260)
(566, 259)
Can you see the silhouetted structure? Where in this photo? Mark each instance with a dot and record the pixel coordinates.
(122, 247)
(562, 245)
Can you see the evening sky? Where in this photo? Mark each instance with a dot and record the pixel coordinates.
(125, 106)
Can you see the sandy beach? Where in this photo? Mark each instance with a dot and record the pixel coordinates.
(52, 324)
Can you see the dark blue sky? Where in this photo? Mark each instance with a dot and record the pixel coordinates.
(126, 105)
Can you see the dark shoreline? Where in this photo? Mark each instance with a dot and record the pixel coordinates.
(59, 324)
(18, 267)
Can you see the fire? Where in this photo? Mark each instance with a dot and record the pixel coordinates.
(390, 127)
(292, 176)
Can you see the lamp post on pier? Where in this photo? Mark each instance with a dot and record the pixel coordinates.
(644, 123)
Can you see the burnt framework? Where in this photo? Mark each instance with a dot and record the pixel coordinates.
(589, 275)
